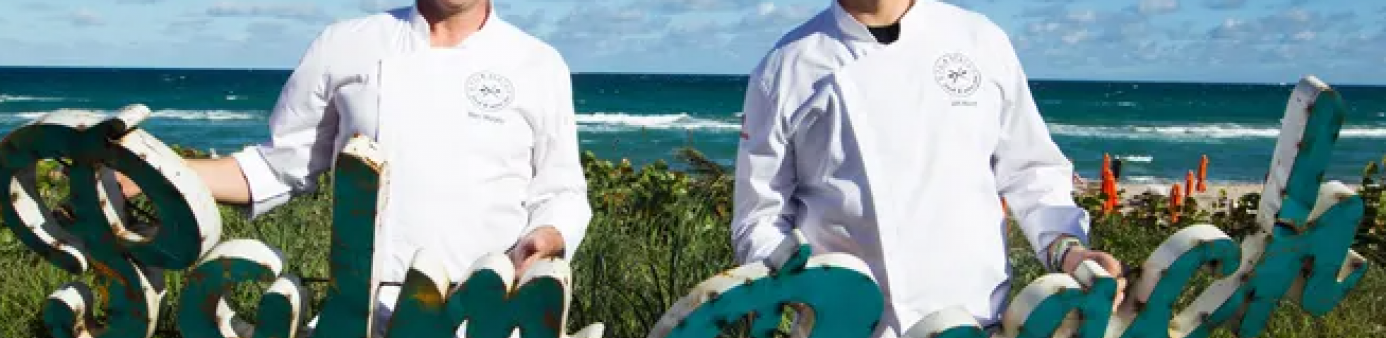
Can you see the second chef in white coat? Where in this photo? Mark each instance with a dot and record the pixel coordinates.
(889, 129)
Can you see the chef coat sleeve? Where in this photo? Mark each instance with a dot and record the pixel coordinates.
(303, 130)
(1031, 172)
(765, 177)
(558, 191)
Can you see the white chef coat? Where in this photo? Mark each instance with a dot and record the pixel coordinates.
(481, 137)
(898, 154)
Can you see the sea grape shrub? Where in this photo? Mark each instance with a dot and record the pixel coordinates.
(656, 232)
(1371, 234)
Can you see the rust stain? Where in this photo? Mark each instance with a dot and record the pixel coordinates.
(553, 321)
(430, 299)
(105, 270)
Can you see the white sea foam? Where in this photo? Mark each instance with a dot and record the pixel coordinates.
(1136, 158)
(169, 114)
(618, 122)
(215, 115)
(25, 98)
(1194, 133)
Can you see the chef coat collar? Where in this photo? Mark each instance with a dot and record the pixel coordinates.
(419, 25)
(855, 30)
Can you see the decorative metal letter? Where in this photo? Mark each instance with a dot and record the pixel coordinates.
(127, 258)
(841, 297)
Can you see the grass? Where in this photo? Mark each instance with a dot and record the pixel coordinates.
(655, 233)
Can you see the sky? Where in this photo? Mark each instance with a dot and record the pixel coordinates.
(1262, 41)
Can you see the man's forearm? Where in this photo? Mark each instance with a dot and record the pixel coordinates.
(224, 178)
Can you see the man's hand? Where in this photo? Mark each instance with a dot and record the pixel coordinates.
(127, 186)
(1077, 255)
(543, 242)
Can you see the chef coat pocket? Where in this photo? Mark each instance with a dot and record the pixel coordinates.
(979, 116)
(502, 134)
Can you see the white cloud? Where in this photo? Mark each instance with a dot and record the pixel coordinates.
(85, 18)
(686, 6)
(1153, 7)
(1044, 11)
(374, 6)
(1224, 4)
(1075, 37)
(1230, 28)
(613, 21)
(765, 8)
(531, 22)
(775, 17)
(962, 3)
(38, 6)
(1303, 36)
(1083, 16)
(647, 36)
(187, 25)
(300, 12)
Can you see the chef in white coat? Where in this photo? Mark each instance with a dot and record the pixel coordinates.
(889, 129)
(475, 118)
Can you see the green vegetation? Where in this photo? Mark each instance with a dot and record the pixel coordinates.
(657, 232)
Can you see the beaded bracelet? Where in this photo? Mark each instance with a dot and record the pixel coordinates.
(1059, 249)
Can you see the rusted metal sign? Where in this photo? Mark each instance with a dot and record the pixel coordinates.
(129, 259)
(1300, 253)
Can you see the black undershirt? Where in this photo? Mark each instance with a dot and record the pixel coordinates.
(886, 34)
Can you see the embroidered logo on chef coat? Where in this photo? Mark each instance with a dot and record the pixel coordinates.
(957, 74)
(490, 92)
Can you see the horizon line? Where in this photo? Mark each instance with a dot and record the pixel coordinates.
(1048, 79)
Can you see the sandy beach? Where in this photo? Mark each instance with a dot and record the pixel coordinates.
(1204, 199)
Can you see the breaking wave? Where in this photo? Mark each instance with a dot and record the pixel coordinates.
(1195, 132)
(170, 114)
(618, 122)
(25, 98)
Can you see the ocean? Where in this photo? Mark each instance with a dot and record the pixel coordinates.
(1159, 130)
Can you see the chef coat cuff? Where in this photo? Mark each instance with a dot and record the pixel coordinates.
(569, 214)
(1049, 224)
(266, 191)
(759, 242)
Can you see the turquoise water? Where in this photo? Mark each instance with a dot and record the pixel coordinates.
(1160, 129)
